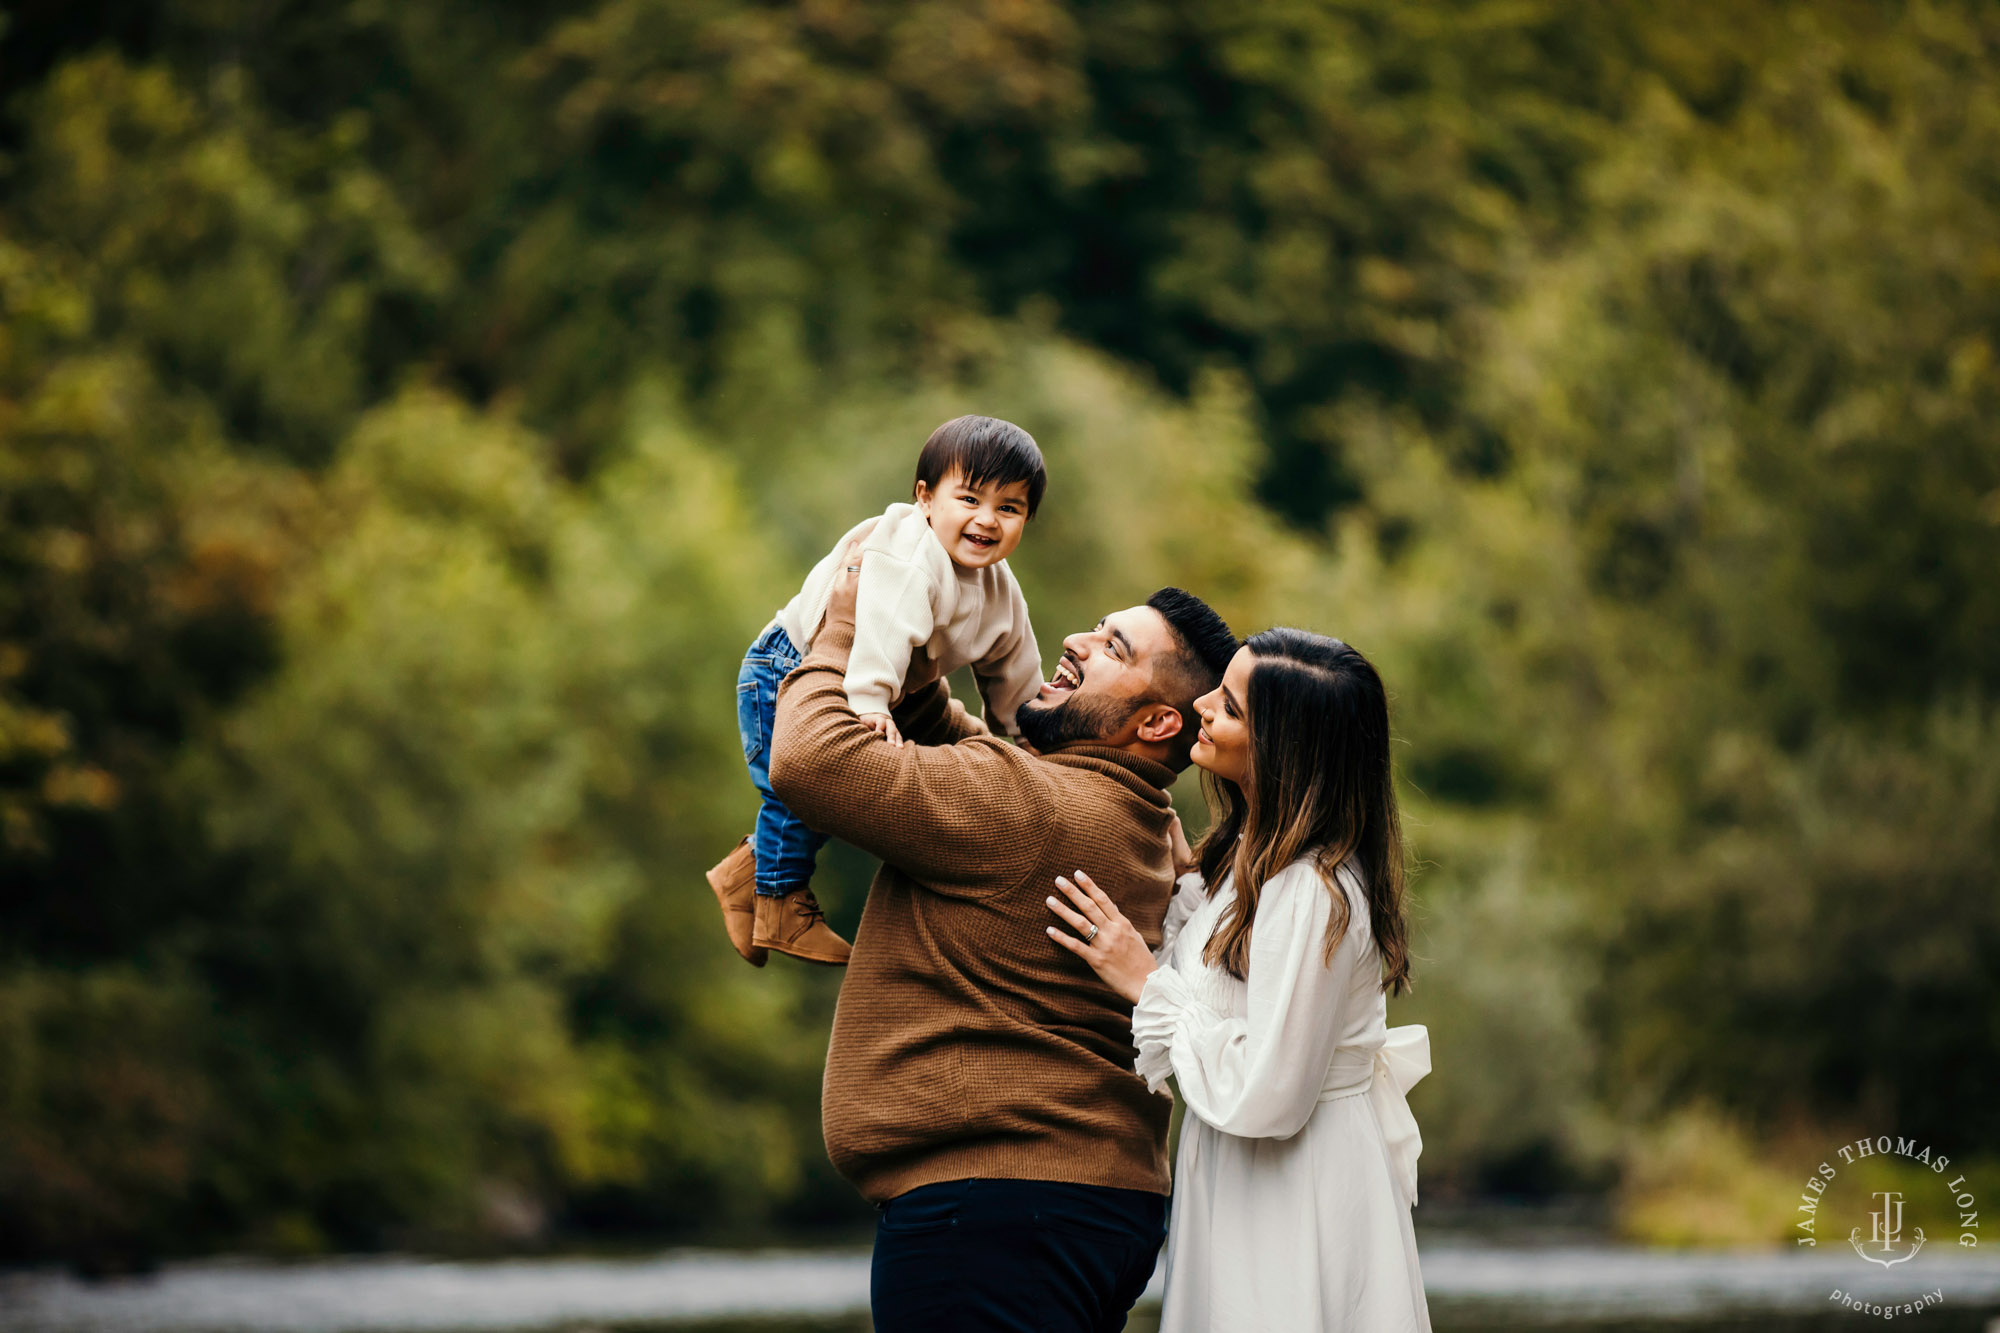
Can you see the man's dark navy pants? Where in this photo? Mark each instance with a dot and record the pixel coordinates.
(1024, 1256)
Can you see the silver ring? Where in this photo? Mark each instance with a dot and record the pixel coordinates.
(1093, 933)
(854, 569)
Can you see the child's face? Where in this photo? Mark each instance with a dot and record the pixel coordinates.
(977, 525)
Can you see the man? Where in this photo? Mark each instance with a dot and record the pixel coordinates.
(979, 1085)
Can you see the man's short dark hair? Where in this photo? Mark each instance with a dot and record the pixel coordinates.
(983, 449)
(1203, 645)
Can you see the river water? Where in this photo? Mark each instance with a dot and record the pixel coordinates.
(1474, 1284)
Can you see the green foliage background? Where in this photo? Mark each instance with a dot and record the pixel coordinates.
(408, 412)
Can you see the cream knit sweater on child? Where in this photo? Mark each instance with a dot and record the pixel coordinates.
(912, 596)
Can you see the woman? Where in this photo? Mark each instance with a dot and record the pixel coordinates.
(1266, 1002)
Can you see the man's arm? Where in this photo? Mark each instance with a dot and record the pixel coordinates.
(969, 817)
(929, 715)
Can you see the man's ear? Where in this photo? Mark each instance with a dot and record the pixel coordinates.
(1159, 723)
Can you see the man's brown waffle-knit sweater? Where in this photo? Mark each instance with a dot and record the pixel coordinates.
(966, 1042)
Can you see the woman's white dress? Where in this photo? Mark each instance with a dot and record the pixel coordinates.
(1297, 1166)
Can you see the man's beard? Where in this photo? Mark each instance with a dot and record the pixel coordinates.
(1050, 726)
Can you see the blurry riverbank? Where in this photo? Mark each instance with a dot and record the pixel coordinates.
(1474, 1283)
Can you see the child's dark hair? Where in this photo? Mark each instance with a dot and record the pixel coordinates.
(983, 449)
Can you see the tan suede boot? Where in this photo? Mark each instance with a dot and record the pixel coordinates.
(794, 924)
(734, 880)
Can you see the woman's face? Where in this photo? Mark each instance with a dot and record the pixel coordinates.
(1222, 746)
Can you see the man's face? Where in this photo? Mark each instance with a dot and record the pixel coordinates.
(1101, 684)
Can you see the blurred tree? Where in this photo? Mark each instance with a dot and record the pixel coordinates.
(408, 413)
(451, 816)
(1730, 584)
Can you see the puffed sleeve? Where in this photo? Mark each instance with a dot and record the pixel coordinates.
(1259, 1075)
(1189, 893)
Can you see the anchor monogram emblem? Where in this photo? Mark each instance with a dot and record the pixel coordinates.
(1887, 1230)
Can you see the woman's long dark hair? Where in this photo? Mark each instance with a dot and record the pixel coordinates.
(1320, 774)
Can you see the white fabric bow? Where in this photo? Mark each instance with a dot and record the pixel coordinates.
(1400, 1062)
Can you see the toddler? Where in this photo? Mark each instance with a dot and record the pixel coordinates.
(935, 580)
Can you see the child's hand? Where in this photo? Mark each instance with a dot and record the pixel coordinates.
(883, 725)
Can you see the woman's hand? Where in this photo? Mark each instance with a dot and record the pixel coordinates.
(1177, 845)
(1105, 939)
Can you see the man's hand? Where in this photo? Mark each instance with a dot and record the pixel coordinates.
(921, 673)
(846, 587)
(883, 725)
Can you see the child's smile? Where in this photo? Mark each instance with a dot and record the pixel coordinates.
(978, 525)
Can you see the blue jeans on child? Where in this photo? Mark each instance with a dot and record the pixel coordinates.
(786, 849)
